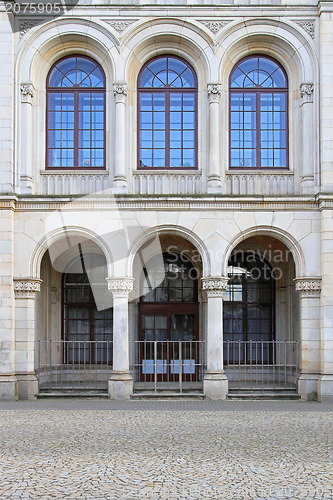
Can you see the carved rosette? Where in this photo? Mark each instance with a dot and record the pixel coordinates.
(214, 287)
(120, 287)
(120, 91)
(215, 26)
(27, 92)
(307, 26)
(26, 288)
(25, 26)
(306, 92)
(214, 91)
(308, 287)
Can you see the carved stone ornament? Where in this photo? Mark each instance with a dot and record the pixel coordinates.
(119, 25)
(214, 287)
(306, 91)
(27, 92)
(120, 91)
(214, 91)
(25, 26)
(26, 288)
(120, 288)
(215, 26)
(308, 287)
(307, 26)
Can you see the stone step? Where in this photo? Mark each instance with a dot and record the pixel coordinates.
(72, 394)
(163, 394)
(251, 395)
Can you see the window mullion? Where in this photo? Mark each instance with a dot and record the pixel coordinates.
(76, 129)
(258, 127)
(167, 129)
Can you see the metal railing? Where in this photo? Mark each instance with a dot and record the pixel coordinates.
(73, 365)
(169, 365)
(261, 365)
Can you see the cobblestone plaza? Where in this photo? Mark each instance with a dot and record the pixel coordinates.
(166, 450)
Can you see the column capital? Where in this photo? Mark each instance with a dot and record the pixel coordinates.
(120, 91)
(26, 288)
(306, 92)
(308, 287)
(214, 90)
(27, 92)
(120, 287)
(214, 287)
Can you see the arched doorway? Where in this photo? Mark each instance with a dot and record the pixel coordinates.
(168, 332)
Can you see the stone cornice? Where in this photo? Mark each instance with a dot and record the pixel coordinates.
(26, 288)
(308, 287)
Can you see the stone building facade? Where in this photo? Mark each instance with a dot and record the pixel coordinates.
(208, 165)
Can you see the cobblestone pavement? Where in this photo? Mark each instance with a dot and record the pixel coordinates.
(97, 450)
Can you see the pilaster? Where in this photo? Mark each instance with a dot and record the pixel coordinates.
(306, 95)
(214, 174)
(26, 151)
(120, 178)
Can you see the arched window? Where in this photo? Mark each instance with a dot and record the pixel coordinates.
(167, 114)
(76, 114)
(258, 114)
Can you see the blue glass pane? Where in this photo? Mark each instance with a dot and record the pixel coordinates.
(267, 158)
(84, 119)
(279, 102)
(161, 76)
(159, 121)
(67, 138)
(236, 102)
(67, 102)
(97, 119)
(146, 120)
(280, 139)
(237, 120)
(236, 157)
(266, 102)
(54, 102)
(175, 120)
(175, 139)
(97, 102)
(280, 120)
(237, 139)
(54, 158)
(55, 78)
(54, 119)
(71, 75)
(83, 79)
(176, 66)
(146, 78)
(237, 79)
(67, 120)
(159, 158)
(159, 139)
(146, 139)
(159, 102)
(280, 158)
(248, 82)
(84, 102)
(249, 139)
(188, 102)
(66, 82)
(158, 65)
(279, 79)
(266, 120)
(188, 139)
(249, 102)
(54, 139)
(249, 158)
(267, 65)
(188, 158)
(146, 158)
(249, 120)
(67, 158)
(264, 77)
(188, 78)
(97, 139)
(84, 158)
(250, 64)
(146, 102)
(188, 120)
(84, 139)
(267, 139)
(175, 158)
(97, 158)
(172, 77)
(175, 102)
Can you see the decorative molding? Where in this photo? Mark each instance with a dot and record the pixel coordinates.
(214, 287)
(306, 92)
(308, 287)
(27, 92)
(26, 288)
(214, 91)
(215, 26)
(120, 287)
(120, 25)
(120, 91)
(307, 26)
(25, 26)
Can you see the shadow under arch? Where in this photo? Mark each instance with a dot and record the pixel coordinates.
(288, 240)
(59, 235)
(175, 231)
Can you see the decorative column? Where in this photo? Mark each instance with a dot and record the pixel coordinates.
(26, 151)
(306, 94)
(121, 381)
(214, 176)
(309, 293)
(120, 179)
(25, 290)
(215, 381)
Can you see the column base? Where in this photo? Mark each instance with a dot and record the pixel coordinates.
(325, 389)
(27, 386)
(214, 185)
(308, 386)
(119, 185)
(215, 385)
(120, 385)
(8, 388)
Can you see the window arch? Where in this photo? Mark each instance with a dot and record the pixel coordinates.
(258, 114)
(167, 114)
(76, 114)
